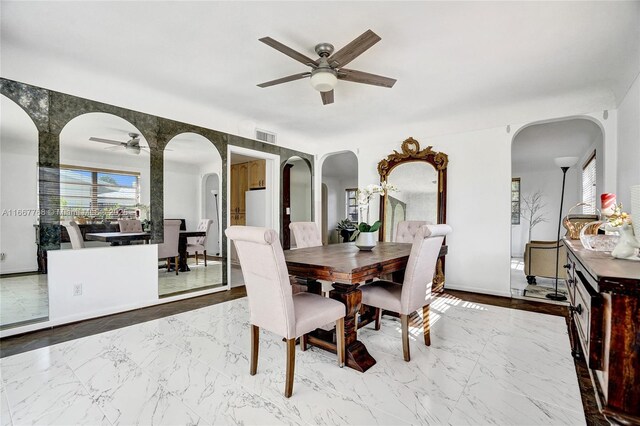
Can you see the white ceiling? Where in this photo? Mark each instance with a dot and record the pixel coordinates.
(535, 147)
(450, 58)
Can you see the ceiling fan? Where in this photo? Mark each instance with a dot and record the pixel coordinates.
(328, 68)
(132, 146)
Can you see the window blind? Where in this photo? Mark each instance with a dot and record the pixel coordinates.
(98, 193)
(589, 186)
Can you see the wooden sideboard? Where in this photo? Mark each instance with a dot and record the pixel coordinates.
(604, 295)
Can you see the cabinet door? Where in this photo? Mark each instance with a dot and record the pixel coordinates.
(243, 185)
(233, 196)
(254, 175)
(257, 174)
(262, 172)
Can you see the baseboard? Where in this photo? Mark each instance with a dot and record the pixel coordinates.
(480, 290)
(18, 272)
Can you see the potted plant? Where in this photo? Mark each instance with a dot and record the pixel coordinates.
(365, 236)
(346, 228)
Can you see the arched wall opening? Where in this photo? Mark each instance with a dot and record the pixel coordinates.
(340, 177)
(191, 174)
(536, 193)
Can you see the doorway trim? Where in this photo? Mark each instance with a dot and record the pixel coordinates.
(272, 173)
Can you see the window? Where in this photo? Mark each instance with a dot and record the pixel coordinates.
(351, 203)
(100, 193)
(589, 185)
(515, 201)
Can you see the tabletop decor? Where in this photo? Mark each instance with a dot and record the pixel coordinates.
(365, 235)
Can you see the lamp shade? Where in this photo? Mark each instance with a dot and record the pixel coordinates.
(324, 81)
(565, 161)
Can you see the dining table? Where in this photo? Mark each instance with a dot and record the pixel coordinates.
(117, 238)
(347, 267)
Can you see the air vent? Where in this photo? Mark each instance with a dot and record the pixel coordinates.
(266, 136)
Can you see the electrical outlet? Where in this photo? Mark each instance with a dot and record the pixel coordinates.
(77, 289)
(2, 255)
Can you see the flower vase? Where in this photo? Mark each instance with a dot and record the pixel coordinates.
(366, 241)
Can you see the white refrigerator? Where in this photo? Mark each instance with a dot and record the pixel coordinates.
(258, 208)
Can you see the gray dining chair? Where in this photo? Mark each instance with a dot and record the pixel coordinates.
(130, 225)
(75, 235)
(272, 305)
(169, 248)
(406, 230)
(199, 244)
(306, 234)
(415, 291)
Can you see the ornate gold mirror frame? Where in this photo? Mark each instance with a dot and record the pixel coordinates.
(411, 152)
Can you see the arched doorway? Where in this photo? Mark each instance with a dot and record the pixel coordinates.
(25, 298)
(536, 188)
(340, 177)
(296, 197)
(192, 166)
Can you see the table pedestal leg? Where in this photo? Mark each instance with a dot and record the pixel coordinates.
(357, 356)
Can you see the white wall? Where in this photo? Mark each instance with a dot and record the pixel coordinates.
(113, 279)
(182, 193)
(479, 181)
(628, 144)
(19, 177)
(549, 182)
(300, 191)
(19, 174)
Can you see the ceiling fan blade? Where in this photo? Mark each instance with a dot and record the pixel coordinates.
(365, 78)
(113, 148)
(327, 97)
(105, 141)
(288, 51)
(285, 79)
(354, 49)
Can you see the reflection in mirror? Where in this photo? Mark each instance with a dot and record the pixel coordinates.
(192, 169)
(24, 296)
(416, 198)
(296, 196)
(104, 177)
(339, 197)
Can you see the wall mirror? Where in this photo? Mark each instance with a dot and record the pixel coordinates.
(421, 179)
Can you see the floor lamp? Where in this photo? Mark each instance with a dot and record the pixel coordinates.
(564, 163)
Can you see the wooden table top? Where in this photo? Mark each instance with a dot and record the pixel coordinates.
(345, 263)
(602, 266)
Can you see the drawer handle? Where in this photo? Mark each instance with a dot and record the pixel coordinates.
(577, 309)
(570, 281)
(567, 266)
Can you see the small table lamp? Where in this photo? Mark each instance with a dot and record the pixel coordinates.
(564, 163)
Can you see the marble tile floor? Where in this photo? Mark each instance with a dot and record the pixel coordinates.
(198, 277)
(23, 299)
(519, 284)
(486, 365)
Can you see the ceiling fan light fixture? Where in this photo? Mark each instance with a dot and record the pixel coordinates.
(323, 79)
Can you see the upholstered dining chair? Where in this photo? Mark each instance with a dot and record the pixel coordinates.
(199, 244)
(406, 230)
(272, 305)
(130, 225)
(306, 234)
(75, 235)
(415, 292)
(169, 248)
